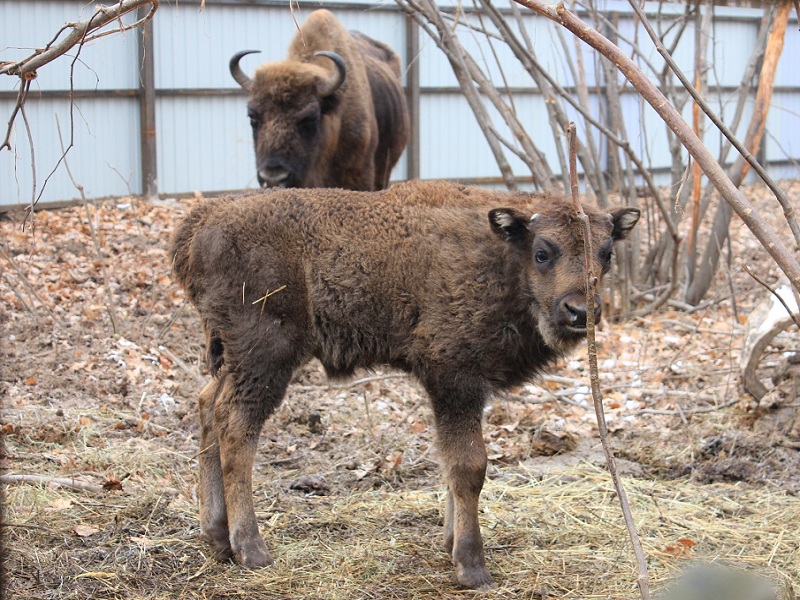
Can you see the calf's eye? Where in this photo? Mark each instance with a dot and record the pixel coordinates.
(541, 257)
(605, 257)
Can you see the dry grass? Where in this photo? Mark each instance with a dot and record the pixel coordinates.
(553, 535)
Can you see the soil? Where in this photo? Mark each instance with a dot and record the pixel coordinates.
(111, 403)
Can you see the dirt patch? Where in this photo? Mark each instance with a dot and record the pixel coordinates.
(348, 492)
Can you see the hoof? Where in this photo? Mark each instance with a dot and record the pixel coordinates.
(220, 545)
(475, 579)
(254, 556)
(220, 552)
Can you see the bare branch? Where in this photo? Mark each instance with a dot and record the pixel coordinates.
(597, 395)
(60, 481)
(792, 314)
(741, 148)
(732, 195)
(80, 33)
(110, 304)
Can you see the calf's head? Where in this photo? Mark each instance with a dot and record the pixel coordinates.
(550, 245)
(290, 108)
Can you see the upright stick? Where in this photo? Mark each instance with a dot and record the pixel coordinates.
(597, 397)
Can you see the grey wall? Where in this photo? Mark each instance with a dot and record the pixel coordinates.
(203, 139)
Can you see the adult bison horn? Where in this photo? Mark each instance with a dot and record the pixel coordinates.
(239, 75)
(332, 84)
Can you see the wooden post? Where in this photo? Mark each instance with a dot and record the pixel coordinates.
(412, 97)
(147, 108)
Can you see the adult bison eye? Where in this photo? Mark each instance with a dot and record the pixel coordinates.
(308, 124)
(255, 119)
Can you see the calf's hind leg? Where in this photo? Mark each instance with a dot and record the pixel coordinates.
(213, 514)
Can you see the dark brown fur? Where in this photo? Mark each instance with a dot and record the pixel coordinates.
(351, 139)
(454, 284)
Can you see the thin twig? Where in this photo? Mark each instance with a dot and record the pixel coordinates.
(681, 412)
(20, 298)
(26, 68)
(110, 305)
(793, 315)
(171, 321)
(591, 283)
(183, 366)
(29, 286)
(82, 486)
(28, 526)
(357, 382)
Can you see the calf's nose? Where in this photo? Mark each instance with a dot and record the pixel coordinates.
(572, 311)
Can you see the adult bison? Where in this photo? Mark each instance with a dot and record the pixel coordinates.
(332, 114)
(470, 290)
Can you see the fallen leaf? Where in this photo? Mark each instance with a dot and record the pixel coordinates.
(61, 504)
(418, 426)
(311, 485)
(113, 484)
(144, 542)
(84, 530)
(96, 575)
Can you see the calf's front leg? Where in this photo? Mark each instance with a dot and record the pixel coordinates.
(464, 456)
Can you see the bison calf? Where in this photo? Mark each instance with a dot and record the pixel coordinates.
(470, 290)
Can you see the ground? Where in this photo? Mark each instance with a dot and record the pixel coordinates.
(100, 414)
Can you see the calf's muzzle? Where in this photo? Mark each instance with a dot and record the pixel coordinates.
(570, 311)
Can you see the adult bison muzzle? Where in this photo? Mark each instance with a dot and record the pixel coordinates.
(459, 286)
(333, 114)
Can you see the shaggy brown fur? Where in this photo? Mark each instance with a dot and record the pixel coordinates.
(309, 136)
(456, 285)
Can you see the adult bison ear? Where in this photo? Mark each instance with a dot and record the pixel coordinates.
(622, 221)
(509, 224)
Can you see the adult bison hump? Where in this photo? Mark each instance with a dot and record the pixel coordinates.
(332, 114)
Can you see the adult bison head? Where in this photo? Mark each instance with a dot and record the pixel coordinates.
(290, 108)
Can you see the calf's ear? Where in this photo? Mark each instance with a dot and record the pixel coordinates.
(622, 221)
(509, 224)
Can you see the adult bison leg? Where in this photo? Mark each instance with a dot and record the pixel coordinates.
(213, 514)
(458, 422)
(252, 392)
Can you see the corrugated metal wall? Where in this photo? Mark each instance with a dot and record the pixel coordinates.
(203, 139)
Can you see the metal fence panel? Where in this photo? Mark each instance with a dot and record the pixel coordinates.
(203, 139)
(104, 159)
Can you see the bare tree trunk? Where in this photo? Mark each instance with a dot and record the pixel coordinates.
(558, 120)
(454, 53)
(702, 30)
(719, 234)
